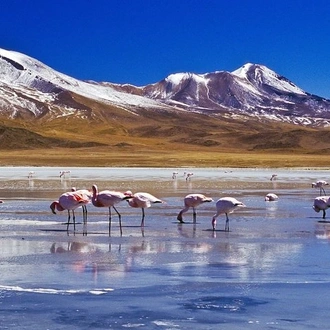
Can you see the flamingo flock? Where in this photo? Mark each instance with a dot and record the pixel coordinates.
(74, 199)
(109, 199)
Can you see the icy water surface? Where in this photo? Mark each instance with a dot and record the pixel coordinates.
(271, 271)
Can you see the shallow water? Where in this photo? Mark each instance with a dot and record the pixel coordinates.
(271, 271)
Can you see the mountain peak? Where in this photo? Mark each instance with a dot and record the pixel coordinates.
(261, 75)
(177, 78)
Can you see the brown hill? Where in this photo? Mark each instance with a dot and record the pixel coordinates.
(114, 136)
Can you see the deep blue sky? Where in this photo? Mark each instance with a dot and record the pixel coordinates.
(143, 41)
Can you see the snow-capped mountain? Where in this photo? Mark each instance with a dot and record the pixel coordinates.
(31, 89)
(253, 90)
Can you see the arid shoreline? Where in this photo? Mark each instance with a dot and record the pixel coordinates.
(164, 158)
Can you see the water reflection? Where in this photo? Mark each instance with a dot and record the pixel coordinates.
(322, 229)
(72, 247)
(165, 243)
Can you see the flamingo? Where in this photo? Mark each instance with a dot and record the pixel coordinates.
(30, 175)
(189, 175)
(107, 198)
(88, 194)
(320, 184)
(226, 205)
(143, 200)
(70, 201)
(273, 177)
(193, 200)
(63, 173)
(321, 203)
(271, 197)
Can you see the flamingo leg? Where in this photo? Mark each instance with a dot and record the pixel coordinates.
(227, 223)
(119, 217)
(67, 226)
(74, 221)
(110, 221)
(323, 214)
(84, 220)
(194, 215)
(323, 191)
(142, 221)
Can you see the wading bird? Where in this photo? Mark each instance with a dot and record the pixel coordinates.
(271, 197)
(321, 203)
(273, 177)
(70, 201)
(226, 205)
(320, 184)
(88, 194)
(193, 200)
(107, 198)
(174, 175)
(143, 200)
(63, 173)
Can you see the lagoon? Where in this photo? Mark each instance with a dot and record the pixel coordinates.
(271, 271)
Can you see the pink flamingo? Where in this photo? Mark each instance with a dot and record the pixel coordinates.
(226, 205)
(193, 200)
(320, 184)
(107, 198)
(143, 200)
(321, 203)
(70, 201)
(88, 194)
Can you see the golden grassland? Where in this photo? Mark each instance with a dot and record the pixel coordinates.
(119, 138)
(103, 157)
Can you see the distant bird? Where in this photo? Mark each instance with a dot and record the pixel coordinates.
(321, 203)
(70, 201)
(107, 198)
(320, 184)
(30, 175)
(271, 197)
(193, 200)
(273, 177)
(63, 173)
(189, 175)
(174, 174)
(143, 200)
(226, 205)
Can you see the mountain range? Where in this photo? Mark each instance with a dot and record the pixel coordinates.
(251, 108)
